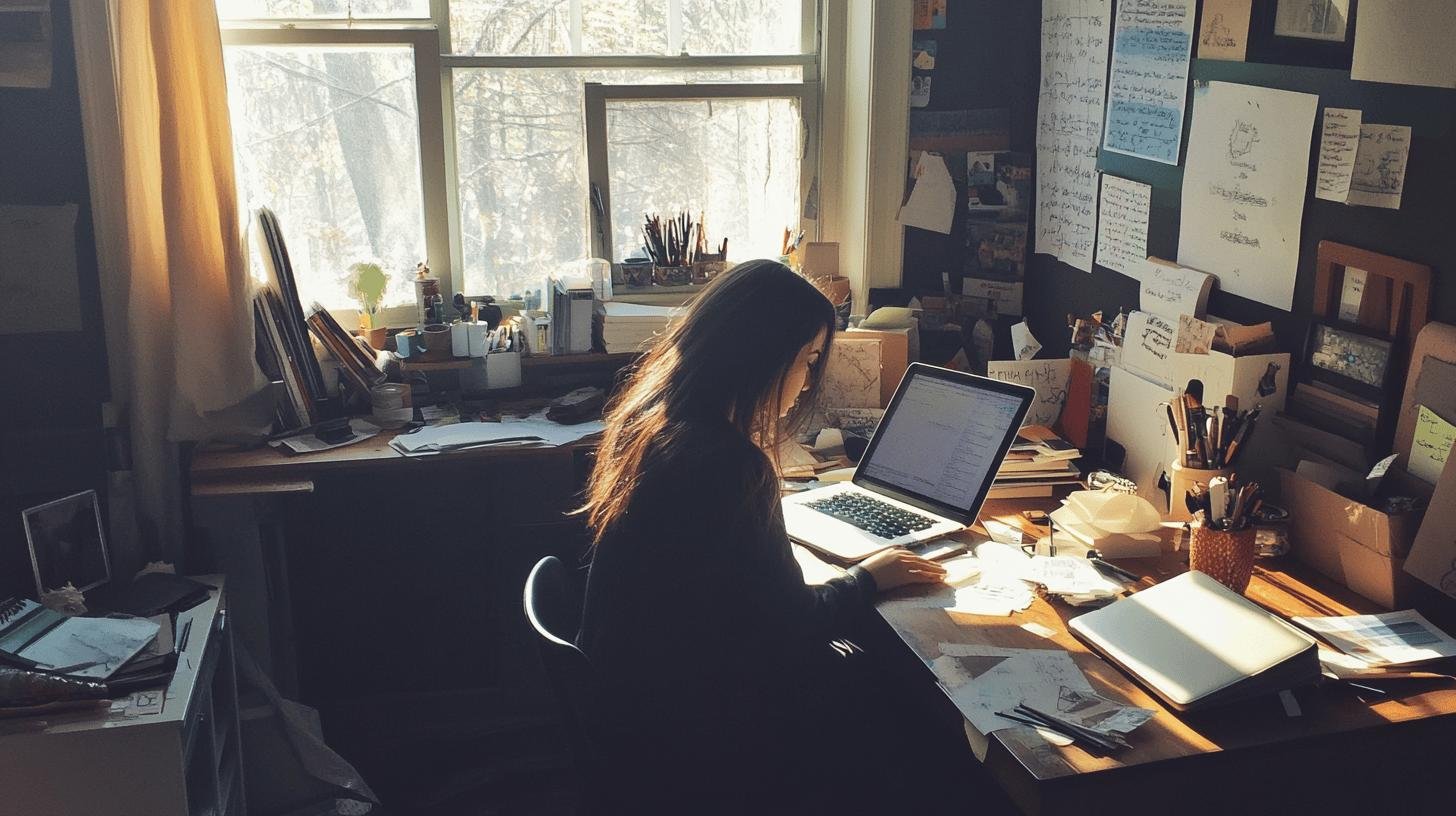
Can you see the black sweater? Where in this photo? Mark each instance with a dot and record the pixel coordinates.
(712, 652)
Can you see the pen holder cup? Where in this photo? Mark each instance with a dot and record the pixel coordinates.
(502, 370)
(1183, 479)
(1226, 556)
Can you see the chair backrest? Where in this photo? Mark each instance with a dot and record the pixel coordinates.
(552, 614)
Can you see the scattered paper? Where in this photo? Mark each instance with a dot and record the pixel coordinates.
(1352, 294)
(1339, 141)
(1074, 44)
(961, 570)
(1068, 575)
(1224, 33)
(1002, 296)
(1092, 710)
(532, 431)
(1379, 174)
(1387, 639)
(1003, 533)
(1048, 377)
(1313, 19)
(308, 443)
(1023, 341)
(1148, 87)
(932, 199)
(1244, 187)
(1431, 445)
(38, 274)
(1122, 225)
(1171, 291)
(985, 595)
(1406, 42)
(1039, 630)
(983, 681)
(1194, 335)
(1147, 347)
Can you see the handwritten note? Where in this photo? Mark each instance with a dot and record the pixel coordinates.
(1379, 175)
(1147, 347)
(1049, 379)
(1352, 294)
(1122, 225)
(1002, 296)
(931, 205)
(1171, 291)
(1224, 34)
(1339, 141)
(1431, 445)
(1194, 335)
(1243, 188)
(1024, 342)
(1074, 35)
(1148, 88)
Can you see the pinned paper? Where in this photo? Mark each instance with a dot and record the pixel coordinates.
(1024, 342)
(1224, 33)
(1003, 296)
(1339, 141)
(1147, 347)
(932, 200)
(1171, 291)
(1379, 174)
(1194, 335)
(1149, 79)
(1431, 446)
(1047, 377)
(1122, 225)
(1352, 294)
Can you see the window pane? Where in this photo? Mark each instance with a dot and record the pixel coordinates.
(328, 138)
(735, 161)
(541, 27)
(521, 157)
(742, 26)
(262, 9)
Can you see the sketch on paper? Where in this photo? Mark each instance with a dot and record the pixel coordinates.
(1312, 19)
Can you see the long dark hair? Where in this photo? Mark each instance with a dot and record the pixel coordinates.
(725, 359)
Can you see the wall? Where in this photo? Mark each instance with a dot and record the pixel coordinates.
(53, 383)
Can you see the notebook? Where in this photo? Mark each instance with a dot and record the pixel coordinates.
(1195, 643)
(34, 637)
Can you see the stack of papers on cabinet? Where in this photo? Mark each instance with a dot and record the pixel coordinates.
(1037, 463)
(632, 327)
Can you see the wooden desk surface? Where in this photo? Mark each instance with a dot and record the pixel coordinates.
(1280, 586)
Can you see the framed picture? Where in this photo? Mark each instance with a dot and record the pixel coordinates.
(67, 543)
(1317, 33)
(1350, 358)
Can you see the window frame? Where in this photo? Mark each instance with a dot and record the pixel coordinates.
(430, 41)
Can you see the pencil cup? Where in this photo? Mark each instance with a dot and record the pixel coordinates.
(1183, 479)
(1226, 556)
(502, 370)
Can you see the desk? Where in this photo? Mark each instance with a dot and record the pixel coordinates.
(1248, 756)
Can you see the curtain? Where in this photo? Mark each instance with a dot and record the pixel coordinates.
(187, 344)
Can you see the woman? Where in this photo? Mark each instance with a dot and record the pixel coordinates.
(713, 653)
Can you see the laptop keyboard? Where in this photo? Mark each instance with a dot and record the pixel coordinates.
(871, 515)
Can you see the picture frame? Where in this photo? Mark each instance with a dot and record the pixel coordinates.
(1351, 358)
(67, 543)
(1281, 32)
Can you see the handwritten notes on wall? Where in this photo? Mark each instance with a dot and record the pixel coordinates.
(1047, 377)
(1361, 163)
(1147, 347)
(1171, 291)
(1339, 140)
(1148, 87)
(1431, 445)
(1122, 225)
(1224, 32)
(1074, 35)
(1243, 188)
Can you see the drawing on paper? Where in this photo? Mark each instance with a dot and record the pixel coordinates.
(1217, 34)
(1312, 19)
(852, 376)
(1242, 139)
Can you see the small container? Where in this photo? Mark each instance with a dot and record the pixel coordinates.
(672, 275)
(1183, 479)
(637, 272)
(1227, 556)
(503, 370)
(392, 405)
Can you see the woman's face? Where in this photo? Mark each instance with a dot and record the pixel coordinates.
(796, 381)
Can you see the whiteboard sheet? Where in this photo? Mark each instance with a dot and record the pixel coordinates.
(1149, 82)
(1406, 42)
(1122, 225)
(1074, 39)
(1243, 189)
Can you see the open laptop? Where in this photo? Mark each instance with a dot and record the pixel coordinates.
(926, 471)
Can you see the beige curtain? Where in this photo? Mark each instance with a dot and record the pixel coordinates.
(188, 339)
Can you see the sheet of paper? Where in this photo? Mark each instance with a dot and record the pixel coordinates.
(1406, 42)
(1432, 557)
(308, 443)
(38, 273)
(1068, 575)
(535, 430)
(932, 199)
(1243, 188)
(1194, 336)
(851, 374)
(1387, 639)
(1074, 41)
(1352, 294)
(1048, 377)
(1091, 710)
(1122, 224)
(1023, 341)
(1224, 33)
(1431, 445)
(1379, 173)
(1147, 347)
(1171, 291)
(1151, 46)
(1313, 19)
(981, 685)
(1137, 421)
(1003, 296)
(1339, 141)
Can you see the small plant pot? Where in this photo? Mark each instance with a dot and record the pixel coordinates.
(376, 338)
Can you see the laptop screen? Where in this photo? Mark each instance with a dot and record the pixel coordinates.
(944, 437)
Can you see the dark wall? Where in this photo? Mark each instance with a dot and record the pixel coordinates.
(54, 382)
(988, 56)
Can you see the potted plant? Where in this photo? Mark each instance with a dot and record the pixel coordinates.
(367, 282)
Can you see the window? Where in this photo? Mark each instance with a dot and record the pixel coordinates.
(458, 130)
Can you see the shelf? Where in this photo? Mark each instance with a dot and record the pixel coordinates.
(571, 360)
(451, 364)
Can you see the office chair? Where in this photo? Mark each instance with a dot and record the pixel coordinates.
(552, 615)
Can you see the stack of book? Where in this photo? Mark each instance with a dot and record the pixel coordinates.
(1334, 410)
(357, 361)
(1038, 463)
(631, 327)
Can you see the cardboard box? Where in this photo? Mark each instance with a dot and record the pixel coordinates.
(1352, 543)
(894, 357)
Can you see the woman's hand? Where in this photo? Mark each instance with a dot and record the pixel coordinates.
(896, 568)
